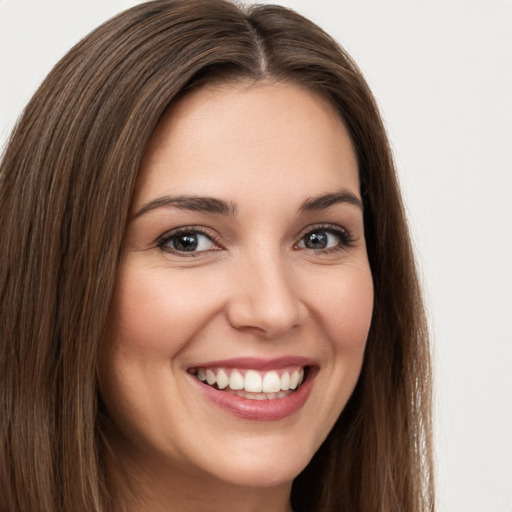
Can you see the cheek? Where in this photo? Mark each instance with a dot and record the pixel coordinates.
(158, 315)
(345, 303)
(343, 307)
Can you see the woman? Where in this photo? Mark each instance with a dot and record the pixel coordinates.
(208, 290)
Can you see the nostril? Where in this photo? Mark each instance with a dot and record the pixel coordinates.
(267, 322)
(265, 301)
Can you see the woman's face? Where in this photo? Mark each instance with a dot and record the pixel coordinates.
(245, 268)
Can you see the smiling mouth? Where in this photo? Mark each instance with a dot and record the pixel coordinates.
(253, 384)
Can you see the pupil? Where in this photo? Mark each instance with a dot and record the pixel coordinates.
(186, 242)
(316, 241)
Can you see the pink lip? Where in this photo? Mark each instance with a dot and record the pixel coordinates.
(255, 363)
(259, 410)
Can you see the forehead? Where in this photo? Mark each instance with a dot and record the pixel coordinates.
(227, 139)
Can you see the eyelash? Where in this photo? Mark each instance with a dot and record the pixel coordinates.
(167, 238)
(346, 239)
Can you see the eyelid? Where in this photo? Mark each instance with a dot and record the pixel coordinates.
(347, 239)
(165, 237)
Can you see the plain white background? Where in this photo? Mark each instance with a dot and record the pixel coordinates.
(442, 73)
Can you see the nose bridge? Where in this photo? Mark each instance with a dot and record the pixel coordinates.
(264, 296)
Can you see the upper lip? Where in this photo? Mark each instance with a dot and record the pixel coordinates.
(255, 363)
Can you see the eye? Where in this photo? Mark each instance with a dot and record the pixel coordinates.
(190, 241)
(325, 239)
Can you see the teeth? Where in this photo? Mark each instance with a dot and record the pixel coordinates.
(253, 385)
(285, 381)
(236, 380)
(210, 377)
(222, 379)
(252, 381)
(261, 396)
(294, 379)
(271, 383)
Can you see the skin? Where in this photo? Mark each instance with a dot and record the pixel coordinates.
(253, 290)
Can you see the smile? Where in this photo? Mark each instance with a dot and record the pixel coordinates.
(257, 389)
(253, 384)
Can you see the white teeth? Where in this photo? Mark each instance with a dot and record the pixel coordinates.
(210, 377)
(236, 380)
(257, 385)
(261, 396)
(294, 379)
(222, 379)
(252, 381)
(271, 383)
(285, 381)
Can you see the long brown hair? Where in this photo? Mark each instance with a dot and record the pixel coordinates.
(66, 182)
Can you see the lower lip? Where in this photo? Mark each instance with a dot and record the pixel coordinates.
(259, 410)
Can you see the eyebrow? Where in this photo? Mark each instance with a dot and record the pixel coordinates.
(220, 207)
(192, 203)
(324, 201)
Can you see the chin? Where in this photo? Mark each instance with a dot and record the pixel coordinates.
(271, 472)
(262, 462)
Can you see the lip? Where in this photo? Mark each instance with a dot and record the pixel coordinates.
(255, 363)
(259, 410)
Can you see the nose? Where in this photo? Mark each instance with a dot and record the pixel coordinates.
(265, 299)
